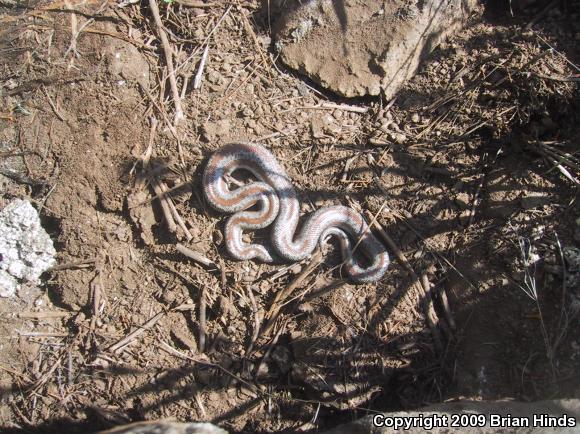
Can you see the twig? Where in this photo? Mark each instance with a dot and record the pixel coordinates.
(199, 74)
(268, 136)
(175, 213)
(76, 32)
(271, 345)
(274, 310)
(566, 159)
(163, 201)
(333, 106)
(293, 268)
(44, 334)
(196, 256)
(186, 186)
(195, 4)
(73, 265)
(257, 321)
(223, 274)
(96, 287)
(476, 197)
(147, 154)
(9, 154)
(52, 104)
(169, 61)
(373, 220)
(185, 76)
(248, 27)
(202, 318)
(429, 310)
(564, 319)
(421, 285)
(44, 315)
(170, 350)
(447, 308)
(26, 420)
(18, 177)
(561, 168)
(347, 168)
(160, 110)
(562, 55)
(432, 249)
(206, 40)
(44, 378)
(569, 79)
(73, 41)
(121, 344)
(184, 307)
(199, 403)
(335, 284)
(17, 374)
(70, 371)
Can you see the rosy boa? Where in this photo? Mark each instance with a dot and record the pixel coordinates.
(278, 205)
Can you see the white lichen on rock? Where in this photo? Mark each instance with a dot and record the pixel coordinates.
(26, 250)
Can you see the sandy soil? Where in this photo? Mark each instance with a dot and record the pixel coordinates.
(460, 171)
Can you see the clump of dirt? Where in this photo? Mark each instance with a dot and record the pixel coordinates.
(471, 172)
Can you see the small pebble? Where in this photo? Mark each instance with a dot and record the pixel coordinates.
(400, 138)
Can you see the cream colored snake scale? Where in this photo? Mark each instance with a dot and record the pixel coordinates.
(278, 205)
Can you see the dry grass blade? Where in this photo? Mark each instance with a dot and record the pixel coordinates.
(127, 340)
(196, 256)
(202, 317)
(168, 51)
(281, 296)
(196, 4)
(164, 202)
(44, 315)
(421, 285)
(199, 74)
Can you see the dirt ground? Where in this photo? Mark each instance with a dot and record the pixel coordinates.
(472, 171)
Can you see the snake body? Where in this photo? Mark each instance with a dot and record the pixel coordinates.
(273, 201)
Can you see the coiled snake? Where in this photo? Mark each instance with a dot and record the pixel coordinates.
(279, 206)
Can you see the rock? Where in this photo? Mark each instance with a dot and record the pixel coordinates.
(557, 410)
(26, 250)
(330, 124)
(462, 201)
(399, 138)
(214, 130)
(357, 47)
(125, 61)
(557, 416)
(165, 427)
(316, 128)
